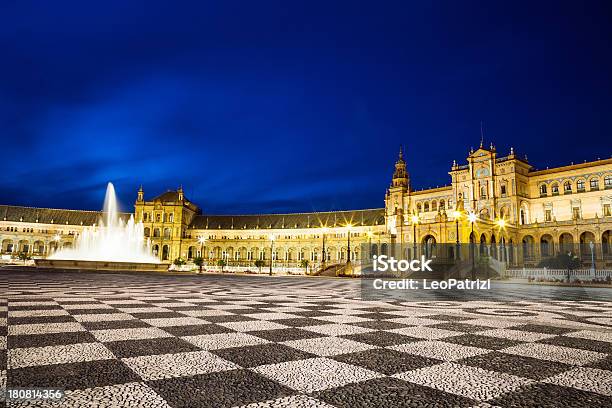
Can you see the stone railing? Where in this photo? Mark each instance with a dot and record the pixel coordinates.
(562, 274)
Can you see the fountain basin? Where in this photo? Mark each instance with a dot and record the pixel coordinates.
(100, 265)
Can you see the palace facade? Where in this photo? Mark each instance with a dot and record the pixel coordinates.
(515, 213)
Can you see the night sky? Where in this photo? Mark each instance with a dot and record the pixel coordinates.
(261, 106)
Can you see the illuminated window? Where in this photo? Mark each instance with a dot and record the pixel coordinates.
(555, 189)
(608, 182)
(580, 185)
(567, 187)
(543, 190)
(594, 184)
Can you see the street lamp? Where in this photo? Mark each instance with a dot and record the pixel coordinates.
(472, 218)
(201, 240)
(501, 224)
(348, 236)
(592, 245)
(271, 252)
(57, 239)
(457, 215)
(370, 235)
(323, 254)
(415, 221)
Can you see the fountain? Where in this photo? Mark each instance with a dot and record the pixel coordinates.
(113, 244)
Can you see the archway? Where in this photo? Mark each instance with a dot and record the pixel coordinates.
(429, 246)
(493, 247)
(546, 245)
(586, 238)
(605, 244)
(483, 245)
(165, 253)
(566, 242)
(7, 246)
(528, 247)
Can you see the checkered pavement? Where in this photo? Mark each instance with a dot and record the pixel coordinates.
(164, 341)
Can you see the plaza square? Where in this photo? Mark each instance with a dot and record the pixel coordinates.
(160, 340)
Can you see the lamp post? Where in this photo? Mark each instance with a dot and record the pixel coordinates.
(501, 223)
(415, 221)
(592, 245)
(457, 215)
(271, 252)
(472, 218)
(323, 254)
(370, 244)
(201, 240)
(348, 242)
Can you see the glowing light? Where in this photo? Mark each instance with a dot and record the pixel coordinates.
(415, 219)
(57, 237)
(111, 240)
(272, 237)
(456, 214)
(501, 223)
(472, 217)
(202, 240)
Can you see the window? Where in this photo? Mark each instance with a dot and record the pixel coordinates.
(548, 215)
(503, 190)
(156, 233)
(555, 189)
(157, 218)
(483, 192)
(575, 213)
(441, 204)
(418, 207)
(434, 206)
(166, 232)
(567, 187)
(171, 217)
(594, 184)
(426, 207)
(580, 185)
(606, 210)
(608, 182)
(543, 190)
(147, 232)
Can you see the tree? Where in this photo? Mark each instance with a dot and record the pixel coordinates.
(565, 260)
(222, 263)
(199, 261)
(179, 261)
(304, 264)
(259, 264)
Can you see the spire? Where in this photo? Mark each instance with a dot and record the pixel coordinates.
(140, 194)
(481, 135)
(400, 175)
(181, 195)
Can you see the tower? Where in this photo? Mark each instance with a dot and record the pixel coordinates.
(140, 194)
(400, 175)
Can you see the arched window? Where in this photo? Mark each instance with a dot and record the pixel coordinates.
(555, 189)
(434, 205)
(608, 182)
(171, 217)
(426, 207)
(441, 204)
(503, 190)
(147, 232)
(418, 207)
(543, 190)
(594, 184)
(483, 192)
(166, 232)
(580, 185)
(157, 218)
(156, 233)
(567, 187)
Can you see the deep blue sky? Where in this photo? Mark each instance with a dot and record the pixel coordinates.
(261, 106)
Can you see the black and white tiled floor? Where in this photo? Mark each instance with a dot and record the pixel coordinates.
(132, 340)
